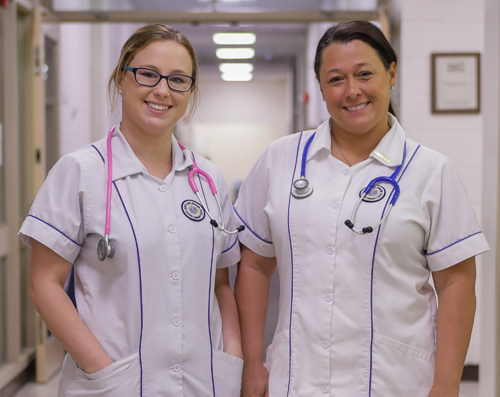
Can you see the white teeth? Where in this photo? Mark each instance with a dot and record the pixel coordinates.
(356, 107)
(157, 107)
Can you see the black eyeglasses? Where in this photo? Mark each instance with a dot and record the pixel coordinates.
(150, 78)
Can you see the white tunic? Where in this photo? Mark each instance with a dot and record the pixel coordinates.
(360, 313)
(152, 306)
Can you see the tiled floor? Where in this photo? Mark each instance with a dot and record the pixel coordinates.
(468, 389)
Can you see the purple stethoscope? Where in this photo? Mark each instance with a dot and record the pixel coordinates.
(105, 249)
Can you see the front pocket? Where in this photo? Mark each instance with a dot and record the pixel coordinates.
(227, 374)
(399, 369)
(277, 364)
(121, 378)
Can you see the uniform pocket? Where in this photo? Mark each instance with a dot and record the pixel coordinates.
(227, 374)
(122, 378)
(399, 369)
(277, 363)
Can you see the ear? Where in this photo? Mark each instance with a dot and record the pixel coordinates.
(392, 74)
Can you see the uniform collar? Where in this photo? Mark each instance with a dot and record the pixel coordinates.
(126, 163)
(389, 151)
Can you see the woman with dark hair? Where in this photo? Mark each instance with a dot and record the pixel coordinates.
(357, 218)
(155, 313)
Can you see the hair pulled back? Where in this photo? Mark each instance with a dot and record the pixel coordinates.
(140, 39)
(345, 32)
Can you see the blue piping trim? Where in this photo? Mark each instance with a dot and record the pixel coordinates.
(456, 242)
(232, 245)
(56, 229)
(140, 269)
(249, 228)
(372, 272)
(291, 255)
(304, 156)
(209, 288)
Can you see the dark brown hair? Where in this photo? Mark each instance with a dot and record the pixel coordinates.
(345, 32)
(142, 38)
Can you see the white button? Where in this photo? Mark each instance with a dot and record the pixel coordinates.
(346, 171)
(330, 250)
(325, 344)
(176, 275)
(177, 322)
(172, 229)
(177, 367)
(328, 297)
(163, 188)
(336, 204)
(324, 390)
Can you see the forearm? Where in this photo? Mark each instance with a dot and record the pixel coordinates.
(61, 317)
(252, 296)
(455, 316)
(229, 313)
(48, 273)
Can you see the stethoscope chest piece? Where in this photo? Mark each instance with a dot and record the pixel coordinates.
(105, 249)
(301, 188)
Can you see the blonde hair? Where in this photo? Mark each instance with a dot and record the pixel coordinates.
(139, 40)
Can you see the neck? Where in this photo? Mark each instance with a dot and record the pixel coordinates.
(351, 148)
(154, 151)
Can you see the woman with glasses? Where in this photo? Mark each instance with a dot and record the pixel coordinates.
(155, 314)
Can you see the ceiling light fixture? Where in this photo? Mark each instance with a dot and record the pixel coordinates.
(235, 53)
(231, 68)
(237, 76)
(234, 38)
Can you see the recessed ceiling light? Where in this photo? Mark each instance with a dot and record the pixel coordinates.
(236, 76)
(231, 68)
(234, 38)
(235, 53)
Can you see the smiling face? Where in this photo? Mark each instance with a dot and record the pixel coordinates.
(356, 88)
(153, 111)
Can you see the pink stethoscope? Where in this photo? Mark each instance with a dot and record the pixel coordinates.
(105, 249)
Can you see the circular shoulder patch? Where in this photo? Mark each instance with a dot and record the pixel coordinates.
(376, 194)
(193, 210)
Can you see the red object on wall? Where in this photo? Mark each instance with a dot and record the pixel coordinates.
(4, 3)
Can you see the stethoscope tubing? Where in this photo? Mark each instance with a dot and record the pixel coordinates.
(105, 249)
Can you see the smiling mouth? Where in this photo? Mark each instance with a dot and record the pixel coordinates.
(157, 107)
(357, 107)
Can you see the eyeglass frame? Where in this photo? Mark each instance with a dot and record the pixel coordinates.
(134, 71)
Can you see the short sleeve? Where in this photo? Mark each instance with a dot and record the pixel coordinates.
(231, 249)
(56, 218)
(252, 200)
(454, 234)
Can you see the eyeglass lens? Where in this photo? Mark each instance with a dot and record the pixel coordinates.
(151, 78)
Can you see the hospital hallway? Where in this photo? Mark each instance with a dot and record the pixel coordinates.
(255, 84)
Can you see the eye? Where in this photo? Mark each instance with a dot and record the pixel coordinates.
(178, 79)
(335, 79)
(149, 74)
(365, 75)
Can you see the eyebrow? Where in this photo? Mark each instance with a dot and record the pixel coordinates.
(358, 65)
(176, 71)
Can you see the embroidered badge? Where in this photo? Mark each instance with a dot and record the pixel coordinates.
(193, 210)
(376, 194)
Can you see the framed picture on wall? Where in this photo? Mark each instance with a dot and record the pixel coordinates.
(455, 83)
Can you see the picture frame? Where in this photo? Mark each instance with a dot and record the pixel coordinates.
(456, 83)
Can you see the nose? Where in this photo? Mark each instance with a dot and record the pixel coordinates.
(352, 88)
(162, 89)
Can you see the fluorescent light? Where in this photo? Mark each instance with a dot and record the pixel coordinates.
(234, 38)
(231, 68)
(235, 53)
(237, 76)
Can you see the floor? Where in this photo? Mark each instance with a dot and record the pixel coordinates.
(468, 389)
